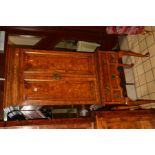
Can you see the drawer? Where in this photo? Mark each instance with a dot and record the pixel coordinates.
(63, 91)
(60, 61)
(114, 76)
(105, 84)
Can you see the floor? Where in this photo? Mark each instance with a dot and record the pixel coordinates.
(141, 77)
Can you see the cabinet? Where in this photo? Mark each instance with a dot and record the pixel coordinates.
(41, 77)
(37, 77)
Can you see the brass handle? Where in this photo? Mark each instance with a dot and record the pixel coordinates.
(56, 76)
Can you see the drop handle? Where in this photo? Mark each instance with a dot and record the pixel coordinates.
(56, 76)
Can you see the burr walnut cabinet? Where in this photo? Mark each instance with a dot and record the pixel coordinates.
(41, 77)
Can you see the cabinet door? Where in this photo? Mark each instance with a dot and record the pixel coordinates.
(51, 78)
(48, 62)
(63, 91)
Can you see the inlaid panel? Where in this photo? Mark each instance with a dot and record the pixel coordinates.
(63, 62)
(64, 91)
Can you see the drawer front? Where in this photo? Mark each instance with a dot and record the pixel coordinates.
(114, 77)
(64, 91)
(105, 84)
(104, 78)
(63, 62)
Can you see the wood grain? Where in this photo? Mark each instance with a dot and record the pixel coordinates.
(127, 119)
(2, 64)
(70, 123)
(39, 77)
(111, 91)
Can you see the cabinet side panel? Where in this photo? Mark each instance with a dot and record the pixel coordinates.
(11, 85)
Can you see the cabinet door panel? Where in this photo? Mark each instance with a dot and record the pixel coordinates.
(71, 91)
(63, 62)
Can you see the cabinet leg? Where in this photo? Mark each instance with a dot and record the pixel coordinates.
(130, 53)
